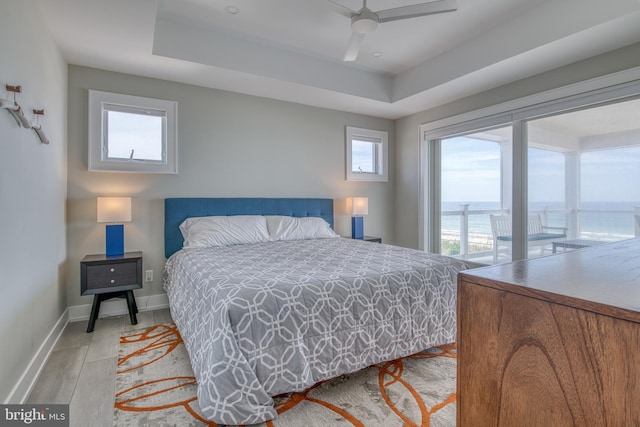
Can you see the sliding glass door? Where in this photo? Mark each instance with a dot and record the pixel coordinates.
(475, 184)
(601, 150)
(561, 181)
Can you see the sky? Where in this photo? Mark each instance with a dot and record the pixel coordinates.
(362, 156)
(137, 132)
(471, 173)
(470, 170)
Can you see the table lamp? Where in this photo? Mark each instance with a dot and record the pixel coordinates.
(359, 207)
(114, 210)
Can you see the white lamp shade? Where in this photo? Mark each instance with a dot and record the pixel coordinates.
(359, 205)
(114, 209)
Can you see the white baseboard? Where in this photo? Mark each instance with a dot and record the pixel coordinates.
(118, 307)
(27, 380)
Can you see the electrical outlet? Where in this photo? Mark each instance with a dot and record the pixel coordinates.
(148, 276)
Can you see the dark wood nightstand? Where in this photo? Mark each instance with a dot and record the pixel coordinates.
(107, 277)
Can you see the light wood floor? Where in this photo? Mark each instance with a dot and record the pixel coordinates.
(82, 368)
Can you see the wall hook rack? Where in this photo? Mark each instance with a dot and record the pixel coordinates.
(38, 127)
(14, 108)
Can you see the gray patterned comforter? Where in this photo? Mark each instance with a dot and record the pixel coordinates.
(264, 319)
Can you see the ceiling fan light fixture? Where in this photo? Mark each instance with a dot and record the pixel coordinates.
(364, 22)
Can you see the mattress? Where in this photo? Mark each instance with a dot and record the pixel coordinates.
(264, 319)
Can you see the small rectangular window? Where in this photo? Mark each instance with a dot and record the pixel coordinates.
(131, 134)
(366, 155)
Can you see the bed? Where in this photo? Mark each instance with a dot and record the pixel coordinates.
(280, 314)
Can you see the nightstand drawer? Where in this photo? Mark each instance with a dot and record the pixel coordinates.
(100, 276)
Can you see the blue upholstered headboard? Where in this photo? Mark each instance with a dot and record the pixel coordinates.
(177, 210)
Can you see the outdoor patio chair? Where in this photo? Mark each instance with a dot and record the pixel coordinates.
(537, 233)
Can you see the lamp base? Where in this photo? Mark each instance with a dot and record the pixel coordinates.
(357, 227)
(114, 239)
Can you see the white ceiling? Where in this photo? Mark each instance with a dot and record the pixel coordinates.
(604, 126)
(292, 49)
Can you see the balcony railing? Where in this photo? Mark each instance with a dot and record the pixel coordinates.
(466, 243)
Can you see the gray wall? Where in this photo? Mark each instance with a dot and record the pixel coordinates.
(230, 145)
(407, 140)
(32, 192)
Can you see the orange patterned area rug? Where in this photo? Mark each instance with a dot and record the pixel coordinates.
(155, 386)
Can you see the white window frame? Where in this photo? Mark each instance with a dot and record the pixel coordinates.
(380, 157)
(101, 102)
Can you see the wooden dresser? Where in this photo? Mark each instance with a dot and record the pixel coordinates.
(552, 341)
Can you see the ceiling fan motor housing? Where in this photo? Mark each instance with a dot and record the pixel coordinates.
(364, 22)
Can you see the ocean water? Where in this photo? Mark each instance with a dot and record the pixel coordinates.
(616, 222)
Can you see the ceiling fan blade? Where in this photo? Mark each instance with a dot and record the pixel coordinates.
(354, 46)
(415, 10)
(342, 9)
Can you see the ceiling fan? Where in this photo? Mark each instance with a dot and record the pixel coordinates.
(364, 21)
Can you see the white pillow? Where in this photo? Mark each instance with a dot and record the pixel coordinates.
(202, 232)
(291, 228)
